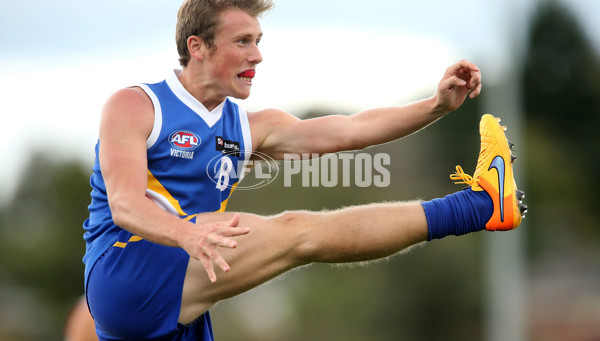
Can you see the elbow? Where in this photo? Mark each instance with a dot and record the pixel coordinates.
(119, 209)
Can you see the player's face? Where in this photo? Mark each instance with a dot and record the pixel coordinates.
(235, 54)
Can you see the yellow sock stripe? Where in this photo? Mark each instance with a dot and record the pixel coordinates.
(156, 186)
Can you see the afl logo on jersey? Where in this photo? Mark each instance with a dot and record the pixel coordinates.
(184, 140)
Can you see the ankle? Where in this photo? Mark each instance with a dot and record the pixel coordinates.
(459, 213)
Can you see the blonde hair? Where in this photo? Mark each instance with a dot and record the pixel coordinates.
(201, 18)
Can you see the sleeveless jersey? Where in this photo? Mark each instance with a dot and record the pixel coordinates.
(195, 160)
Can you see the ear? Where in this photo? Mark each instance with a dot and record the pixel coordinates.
(196, 47)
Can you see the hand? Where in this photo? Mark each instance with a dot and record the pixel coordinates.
(460, 80)
(202, 245)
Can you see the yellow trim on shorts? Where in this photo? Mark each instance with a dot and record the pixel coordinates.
(133, 239)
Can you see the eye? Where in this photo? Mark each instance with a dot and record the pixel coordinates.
(243, 41)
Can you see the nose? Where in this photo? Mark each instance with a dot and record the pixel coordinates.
(255, 56)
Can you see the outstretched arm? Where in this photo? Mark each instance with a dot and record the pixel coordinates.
(276, 132)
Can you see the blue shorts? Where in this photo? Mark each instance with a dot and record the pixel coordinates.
(134, 293)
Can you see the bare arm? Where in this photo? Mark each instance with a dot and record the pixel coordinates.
(127, 120)
(277, 133)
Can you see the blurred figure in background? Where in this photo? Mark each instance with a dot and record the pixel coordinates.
(80, 325)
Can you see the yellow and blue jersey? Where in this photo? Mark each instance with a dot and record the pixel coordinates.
(196, 158)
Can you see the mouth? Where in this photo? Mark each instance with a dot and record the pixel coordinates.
(247, 75)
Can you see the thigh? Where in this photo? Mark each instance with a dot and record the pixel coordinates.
(279, 243)
(134, 290)
(271, 248)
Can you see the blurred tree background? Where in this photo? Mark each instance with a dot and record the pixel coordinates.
(41, 248)
(431, 293)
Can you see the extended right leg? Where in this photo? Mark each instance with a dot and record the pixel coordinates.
(279, 243)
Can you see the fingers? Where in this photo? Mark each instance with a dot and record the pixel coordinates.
(474, 83)
(476, 91)
(222, 264)
(209, 256)
(231, 229)
(465, 66)
(452, 82)
(466, 71)
(210, 271)
(235, 220)
(216, 235)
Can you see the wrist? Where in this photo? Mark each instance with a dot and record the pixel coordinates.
(181, 233)
(436, 108)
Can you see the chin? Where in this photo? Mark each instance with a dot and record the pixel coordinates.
(242, 95)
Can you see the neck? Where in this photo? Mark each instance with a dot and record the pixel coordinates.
(194, 84)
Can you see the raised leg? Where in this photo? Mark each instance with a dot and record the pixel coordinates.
(280, 243)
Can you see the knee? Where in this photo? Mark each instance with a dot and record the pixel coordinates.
(298, 226)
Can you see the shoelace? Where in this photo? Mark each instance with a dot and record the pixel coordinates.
(460, 177)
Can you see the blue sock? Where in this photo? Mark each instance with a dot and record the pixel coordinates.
(458, 213)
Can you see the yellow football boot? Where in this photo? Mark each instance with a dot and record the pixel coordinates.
(494, 174)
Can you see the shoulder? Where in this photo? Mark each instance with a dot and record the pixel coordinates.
(129, 98)
(270, 117)
(265, 123)
(129, 107)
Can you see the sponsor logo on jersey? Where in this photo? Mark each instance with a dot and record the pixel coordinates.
(183, 143)
(227, 147)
